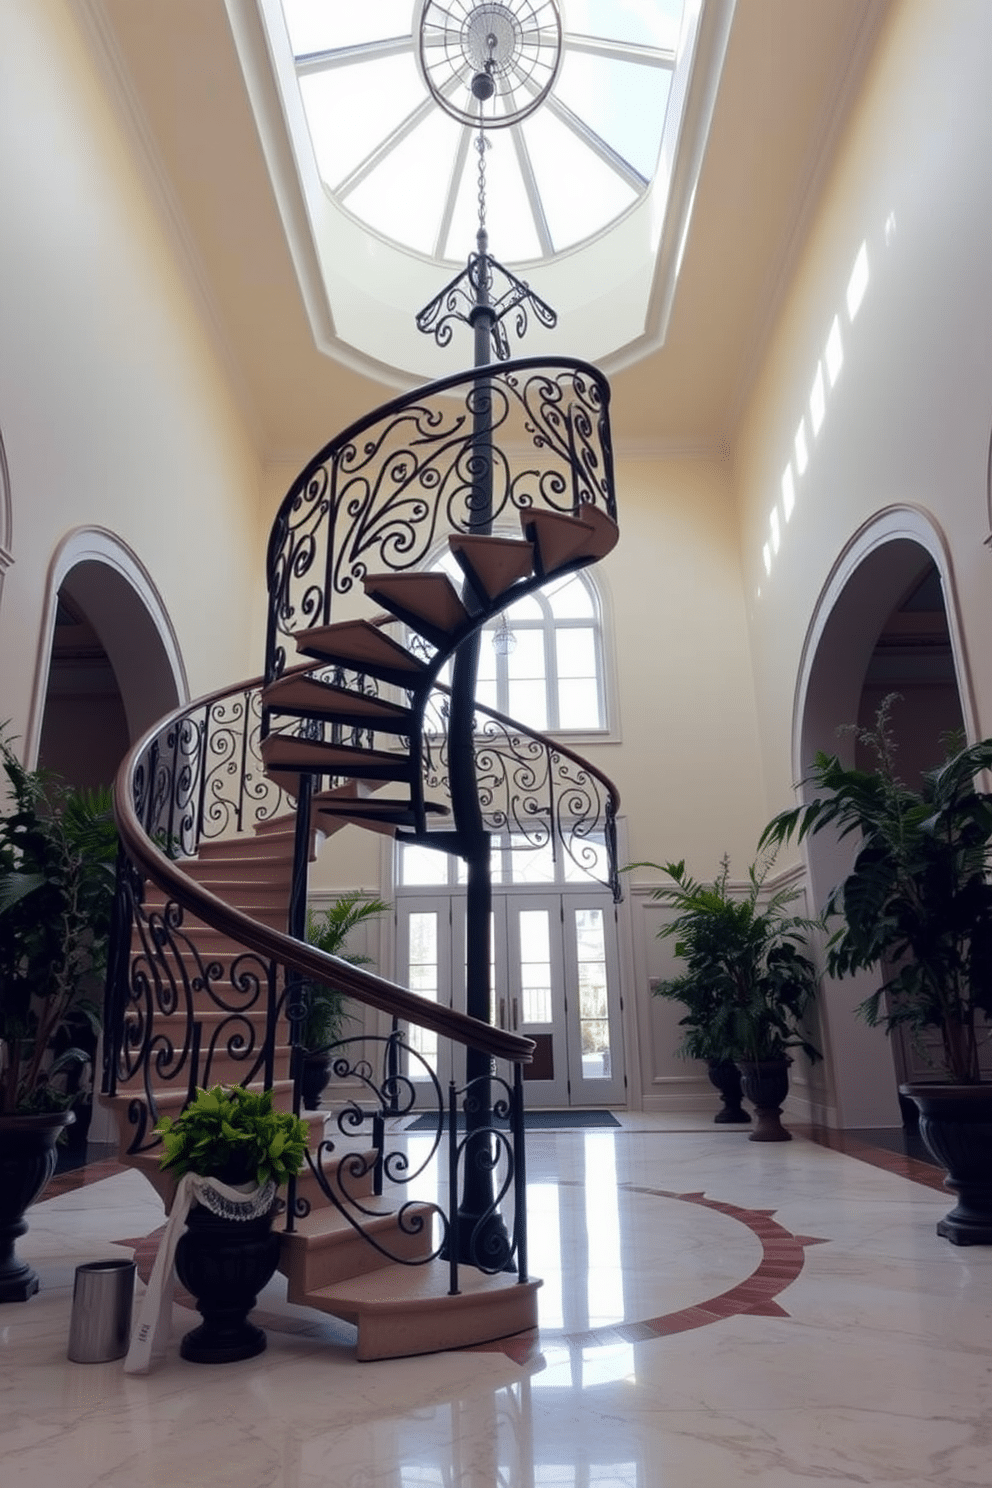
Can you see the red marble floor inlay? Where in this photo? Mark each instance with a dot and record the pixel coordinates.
(878, 1157)
(63, 1183)
(782, 1259)
(780, 1265)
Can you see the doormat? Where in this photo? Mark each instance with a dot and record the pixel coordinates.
(533, 1121)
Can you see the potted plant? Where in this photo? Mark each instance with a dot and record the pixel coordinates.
(231, 1151)
(917, 905)
(747, 983)
(57, 853)
(325, 1007)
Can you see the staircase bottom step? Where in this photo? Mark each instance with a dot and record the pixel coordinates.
(404, 1310)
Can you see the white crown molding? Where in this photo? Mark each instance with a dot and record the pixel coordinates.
(783, 266)
(114, 74)
(671, 449)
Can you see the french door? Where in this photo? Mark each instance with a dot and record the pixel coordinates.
(555, 979)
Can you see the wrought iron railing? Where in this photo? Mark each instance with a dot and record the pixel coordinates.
(181, 1015)
(382, 494)
(366, 1167)
(198, 778)
(535, 792)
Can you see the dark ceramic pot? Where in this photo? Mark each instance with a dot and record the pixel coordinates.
(314, 1079)
(766, 1085)
(956, 1125)
(27, 1161)
(224, 1264)
(726, 1077)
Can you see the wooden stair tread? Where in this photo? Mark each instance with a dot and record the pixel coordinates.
(363, 647)
(404, 1310)
(309, 697)
(412, 1288)
(563, 540)
(426, 601)
(285, 752)
(328, 1226)
(492, 564)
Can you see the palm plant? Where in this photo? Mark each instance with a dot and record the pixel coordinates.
(328, 929)
(918, 900)
(748, 981)
(57, 852)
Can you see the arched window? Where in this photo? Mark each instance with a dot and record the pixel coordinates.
(541, 660)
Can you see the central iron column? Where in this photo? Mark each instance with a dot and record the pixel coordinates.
(476, 1240)
(507, 55)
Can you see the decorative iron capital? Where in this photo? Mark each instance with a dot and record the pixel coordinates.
(485, 287)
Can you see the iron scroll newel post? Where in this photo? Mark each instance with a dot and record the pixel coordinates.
(507, 55)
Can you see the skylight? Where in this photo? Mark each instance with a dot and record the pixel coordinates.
(393, 160)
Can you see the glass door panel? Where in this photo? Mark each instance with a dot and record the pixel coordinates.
(424, 950)
(535, 993)
(592, 981)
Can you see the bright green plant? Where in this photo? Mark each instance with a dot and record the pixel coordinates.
(748, 982)
(58, 848)
(918, 901)
(328, 929)
(234, 1134)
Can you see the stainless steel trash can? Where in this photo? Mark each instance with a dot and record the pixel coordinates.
(100, 1328)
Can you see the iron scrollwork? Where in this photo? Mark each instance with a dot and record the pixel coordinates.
(383, 493)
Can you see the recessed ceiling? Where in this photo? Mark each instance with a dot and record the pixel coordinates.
(599, 181)
(173, 71)
(395, 125)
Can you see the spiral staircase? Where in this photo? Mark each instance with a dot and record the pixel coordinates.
(222, 806)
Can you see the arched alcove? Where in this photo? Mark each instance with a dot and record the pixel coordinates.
(128, 670)
(874, 581)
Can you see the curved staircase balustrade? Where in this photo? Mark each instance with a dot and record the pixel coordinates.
(388, 488)
(196, 780)
(537, 790)
(218, 807)
(397, 1085)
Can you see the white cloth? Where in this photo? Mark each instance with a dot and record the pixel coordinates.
(243, 1201)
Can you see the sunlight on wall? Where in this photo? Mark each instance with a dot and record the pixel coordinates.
(828, 370)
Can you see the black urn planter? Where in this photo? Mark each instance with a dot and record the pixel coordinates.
(726, 1077)
(766, 1085)
(315, 1075)
(956, 1125)
(225, 1263)
(27, 1161)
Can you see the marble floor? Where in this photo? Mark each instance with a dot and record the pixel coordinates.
(714, 1312)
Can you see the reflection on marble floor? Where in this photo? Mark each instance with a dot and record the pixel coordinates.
(714, 1312)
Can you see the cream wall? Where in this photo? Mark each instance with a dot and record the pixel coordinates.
(113, 407)
(905, 419)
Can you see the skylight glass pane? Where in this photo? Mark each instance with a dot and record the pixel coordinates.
(560, 160)
(351, 110)
(513, 235)
(624, 103)
(323, 25)
(653, 23)
(402, 198)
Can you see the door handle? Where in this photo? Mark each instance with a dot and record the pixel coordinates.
(515, 1014)
(502, 1012)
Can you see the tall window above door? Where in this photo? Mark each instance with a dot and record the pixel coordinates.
(541, 660)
